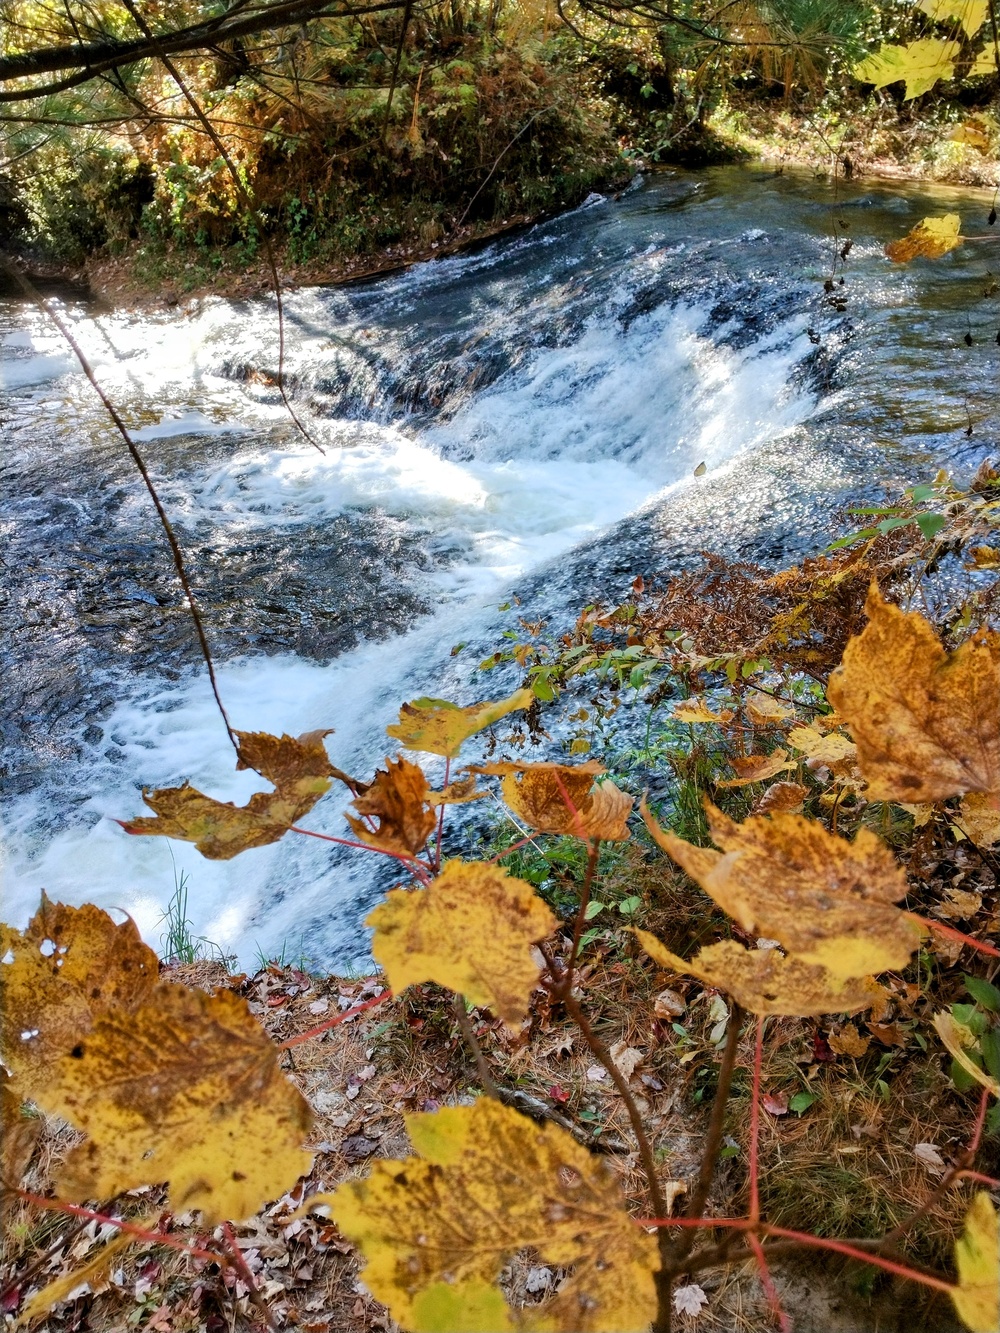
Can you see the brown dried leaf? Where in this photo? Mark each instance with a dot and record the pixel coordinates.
(756, 768)
(979, 817)
(18, 1136)
(300, 771)
(71, 965)
(764, 981)
(926, 722)
(399, 800)
(848, 1041)
(827, 901)
(92, 1272)
(695, 710)
(188, 1090)
(781, 798)
(459, 792)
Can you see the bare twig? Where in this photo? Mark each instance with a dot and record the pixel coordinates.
(482, 1068)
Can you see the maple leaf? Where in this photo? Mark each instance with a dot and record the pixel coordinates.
(435, 726)
(920, 63)
(977, 1258)
(766, 982)
(926, 722)
(929, 239)
(756, 768)
(437, 1228)
(696, 710)
(300, 770)
(690, 1300)
(781, 798)
(399, 800)
(833, 750)
(564, 798)
(458, 792)
(971, 14)
(765, 711)
(470, 930)
(960, 1040)
(68, 967)
(979, 817)
(848, 1041)
(187, 1089)
(827, 901)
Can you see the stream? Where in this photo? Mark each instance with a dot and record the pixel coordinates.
(522, 419)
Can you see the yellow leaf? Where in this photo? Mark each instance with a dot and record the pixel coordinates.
(563, 798)
(975, 138)
(69, 966)
(920, 63)
(926, 722)
(977, 1258)
(459, 792)
(971, 14)
(985, 62)
(985, 557)
(185, 1090)
(399, 799)
(765, 982)
(764, 711)
(436, 726)
(486, 1182)
(94, 1271)
(696, 710)
(833, 750)
(756, 768)
(827, 901)
(300, 770)
(848, 1041)
(470, 930)
(959, 1040)
(929, 239)
(980, 817)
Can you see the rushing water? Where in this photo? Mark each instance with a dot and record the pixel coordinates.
(526, 418)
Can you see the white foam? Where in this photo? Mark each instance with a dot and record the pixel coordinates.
(552, 454)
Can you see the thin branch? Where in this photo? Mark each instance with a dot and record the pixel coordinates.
(243, 1268)
(34, 295)
(335, 1021)
(482, 1068)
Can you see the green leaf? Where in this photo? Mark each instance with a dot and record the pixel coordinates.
(629, 906)
(971, 1017)
(543, 690)
(801, 1102)
(593, 909)
(989, 1044)
(930, 524)
(984, 993)
(962, 1079)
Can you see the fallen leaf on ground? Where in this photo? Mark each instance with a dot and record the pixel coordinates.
(848, 1041)
(471, 930)
(435, 726)
(300, 770)
(690, 1300)
(436, 1228)
(627, 1058)
(669, 1004)
(827, 901)
(775, 1103)
(184, 1090)
(930, 1156)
